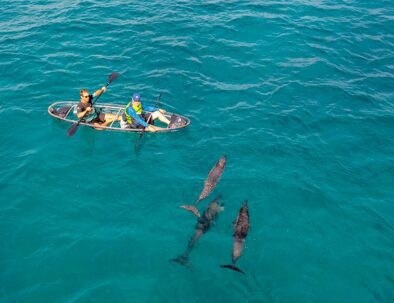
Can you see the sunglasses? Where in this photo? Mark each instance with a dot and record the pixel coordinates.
(86, 96)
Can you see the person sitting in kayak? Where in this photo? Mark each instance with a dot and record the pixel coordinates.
(133, 117)
(89, 113)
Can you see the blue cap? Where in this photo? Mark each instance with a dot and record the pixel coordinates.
(136, 97)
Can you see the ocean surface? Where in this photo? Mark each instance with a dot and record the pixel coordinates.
(298, 94)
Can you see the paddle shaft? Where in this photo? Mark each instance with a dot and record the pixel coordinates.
(147, 121)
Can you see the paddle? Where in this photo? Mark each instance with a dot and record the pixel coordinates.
(137, 143)
(71, 131)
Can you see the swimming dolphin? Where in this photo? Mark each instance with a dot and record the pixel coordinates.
(241, 228)
(209, 184)
(204, 223)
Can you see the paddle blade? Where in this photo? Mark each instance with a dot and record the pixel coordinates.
(137, 143)
(112, 77)
(71, 131)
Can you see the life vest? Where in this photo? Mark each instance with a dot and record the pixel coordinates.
(137, 108)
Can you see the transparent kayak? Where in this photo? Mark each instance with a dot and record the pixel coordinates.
(66, 111)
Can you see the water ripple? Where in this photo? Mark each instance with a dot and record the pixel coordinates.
(297, 94)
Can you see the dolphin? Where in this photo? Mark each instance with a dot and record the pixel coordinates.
(241, 228)
(204, 223)
(209, 184)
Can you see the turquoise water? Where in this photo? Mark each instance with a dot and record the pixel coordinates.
(298, 95)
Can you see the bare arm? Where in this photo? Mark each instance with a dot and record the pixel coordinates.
(99, 91)
(83, 113)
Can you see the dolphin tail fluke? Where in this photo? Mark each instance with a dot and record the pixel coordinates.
(233, 267)
(183, 260)
(192, 209)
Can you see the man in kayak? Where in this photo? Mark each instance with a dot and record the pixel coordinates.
(133, 117)
(89, 113)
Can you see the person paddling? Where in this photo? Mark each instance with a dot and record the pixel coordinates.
(133, 116)
(91, 114)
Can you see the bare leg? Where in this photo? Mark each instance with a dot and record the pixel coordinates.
(99, 126)
(109, 118)
(152, 128)
(160, 116)
(112, 117)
